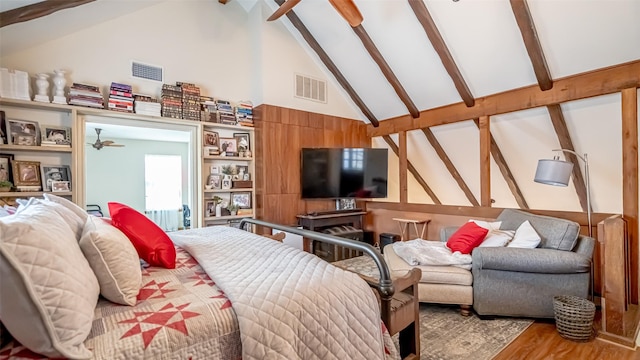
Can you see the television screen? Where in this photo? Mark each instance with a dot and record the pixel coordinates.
(343, 173)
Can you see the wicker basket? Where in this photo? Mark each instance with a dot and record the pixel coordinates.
(574, 317)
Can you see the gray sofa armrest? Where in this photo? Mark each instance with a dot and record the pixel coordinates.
(585, 245)
(543, 261)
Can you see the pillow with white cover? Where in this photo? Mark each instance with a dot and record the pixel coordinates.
(71, 218)
(113, 259)
(497, 238)
(68, 204)
(488, 224)
(525, 237)
(48, 291)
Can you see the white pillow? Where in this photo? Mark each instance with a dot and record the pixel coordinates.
(69, 205)
(70, 217)
(113, 259)
(487, 224)
(48, 292)
(525, 237)
(498, 238)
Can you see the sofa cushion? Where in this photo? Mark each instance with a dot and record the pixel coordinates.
(48, 291)
(467, 237)
(497, 238)
(555, 233)
(430, 274)
(525, 237)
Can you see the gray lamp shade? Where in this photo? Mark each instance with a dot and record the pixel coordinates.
(553, 172)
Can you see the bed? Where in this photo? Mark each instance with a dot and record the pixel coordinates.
(232, 295)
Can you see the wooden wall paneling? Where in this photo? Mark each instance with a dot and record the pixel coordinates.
(290, 161)
(402, 149)
(614, 294)
(630, 182)
(599, 82)
(485, 161)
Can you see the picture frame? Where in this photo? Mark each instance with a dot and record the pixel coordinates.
(226, 182)
(242, 199)
(23, 131)
(214, 169)
(210, 208)
(52, 173)
(26, 173)
(60, 135)
(211, 139)
(243, 141)
(6, 173)
(3, 129)
(215, 180)
(242, 171)
(229, 146)
(60, 186)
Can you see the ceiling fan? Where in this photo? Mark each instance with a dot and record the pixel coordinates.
(346, 8)
(99, 144)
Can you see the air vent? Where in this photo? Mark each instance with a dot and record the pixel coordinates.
(311, 89)
(146, 71)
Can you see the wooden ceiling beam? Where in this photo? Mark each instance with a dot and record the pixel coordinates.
(412, 170)
(386, 70)
(449, 164)
(505, 171)
(532, 43)
(581, 86)
(37, 10)
(326, 60)
(564, 138)
(430, 28)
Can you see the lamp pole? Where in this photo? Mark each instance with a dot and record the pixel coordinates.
(586, 176)
(586, 184)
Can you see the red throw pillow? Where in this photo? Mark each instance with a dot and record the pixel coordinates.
(151, 242)
(467, 237)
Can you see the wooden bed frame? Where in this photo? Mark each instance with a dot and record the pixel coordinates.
(398, 298)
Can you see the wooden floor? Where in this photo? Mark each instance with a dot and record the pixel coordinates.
(541, 341)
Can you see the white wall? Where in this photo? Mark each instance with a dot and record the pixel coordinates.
(117, 173)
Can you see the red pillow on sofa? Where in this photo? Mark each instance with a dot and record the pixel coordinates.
(151, 242)
(467, 237)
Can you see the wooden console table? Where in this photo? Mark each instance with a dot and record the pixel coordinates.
(317, 222)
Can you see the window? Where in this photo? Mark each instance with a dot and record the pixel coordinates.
(163, 182)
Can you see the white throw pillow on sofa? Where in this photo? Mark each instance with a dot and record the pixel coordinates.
(498, 238)
(495, 225)
(525, 237)
(48, 291)
(113, 259)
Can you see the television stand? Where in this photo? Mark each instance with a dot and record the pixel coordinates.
(320, 220)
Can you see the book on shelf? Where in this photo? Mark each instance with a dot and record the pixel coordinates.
(25, 188)
(79, 86)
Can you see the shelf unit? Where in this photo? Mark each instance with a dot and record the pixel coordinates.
(44, 114)
(222, 164)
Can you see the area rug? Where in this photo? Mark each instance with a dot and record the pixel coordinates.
(447, 335)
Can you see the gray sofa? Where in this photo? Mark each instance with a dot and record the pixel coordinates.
(522, 282)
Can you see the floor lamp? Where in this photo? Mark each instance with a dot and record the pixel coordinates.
(557, 172)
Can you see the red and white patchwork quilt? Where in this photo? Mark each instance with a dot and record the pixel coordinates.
(180, 314)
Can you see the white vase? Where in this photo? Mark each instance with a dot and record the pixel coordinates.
(218, 210)
(42, 87)
(59, 81)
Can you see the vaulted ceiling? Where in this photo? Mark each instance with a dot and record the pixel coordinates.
(410, 56)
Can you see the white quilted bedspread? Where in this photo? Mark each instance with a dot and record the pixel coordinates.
(289, 304)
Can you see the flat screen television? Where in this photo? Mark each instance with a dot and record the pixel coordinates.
(331, 173)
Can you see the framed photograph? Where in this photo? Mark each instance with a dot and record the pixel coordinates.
(215, 180)
(26, 173)
(52, 173)
(23, 131)
(229, 146)
(59, 186)
(242, 199)
(243, 141)
(211, 139)
(209, 208)
(57, 134)
(5, 167)
(214, 169)
(226, 182)
(3, 129)
(243, 172)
